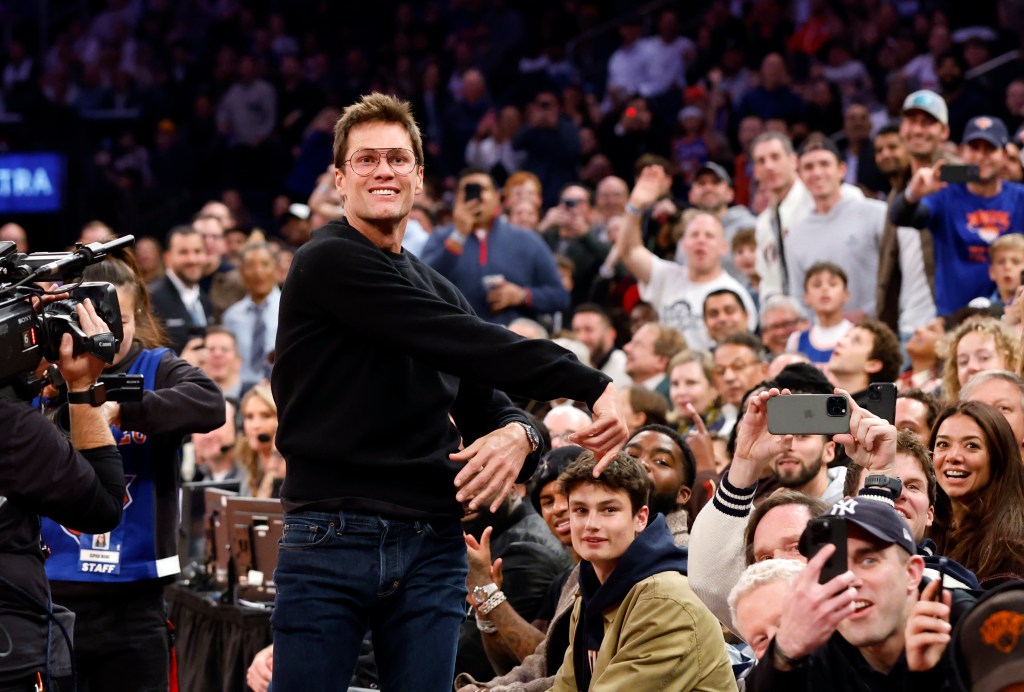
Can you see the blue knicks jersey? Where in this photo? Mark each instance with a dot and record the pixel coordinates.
(128, 553)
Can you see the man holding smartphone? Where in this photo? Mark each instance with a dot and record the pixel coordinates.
(504, 271)
(965, 211)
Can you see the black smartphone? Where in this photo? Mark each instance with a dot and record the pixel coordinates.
(882, 400)
(808, 414)
(472, 191)
(820, 532)
(959, 173)
(941, 568)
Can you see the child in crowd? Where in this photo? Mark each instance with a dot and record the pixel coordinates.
(1006, 257)
(744, 255)
(825, 293)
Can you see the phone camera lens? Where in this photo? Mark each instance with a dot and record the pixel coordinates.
(836, 406)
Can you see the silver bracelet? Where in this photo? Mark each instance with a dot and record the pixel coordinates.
(486, 626)
(496, 599)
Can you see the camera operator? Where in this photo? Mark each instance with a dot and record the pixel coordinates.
(41, 473)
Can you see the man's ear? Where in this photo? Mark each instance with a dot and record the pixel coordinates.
(640, 519)
(829, 452)
(915, 571)
(683, 496)
(873, 365)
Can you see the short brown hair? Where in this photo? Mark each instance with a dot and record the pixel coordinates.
(885, 348)
(825, 267)
(380, 108)
(930, 403)
(742, 238)
(623, 473)
(650, 403)
(670, 341)
(781, 497)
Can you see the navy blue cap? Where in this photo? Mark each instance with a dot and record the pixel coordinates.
(988, 128)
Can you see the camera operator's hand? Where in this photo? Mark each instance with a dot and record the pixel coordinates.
(755, 446)
(871, 442)
(81, 371)
(812, 611)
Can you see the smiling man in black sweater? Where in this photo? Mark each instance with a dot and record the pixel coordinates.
(382, 369)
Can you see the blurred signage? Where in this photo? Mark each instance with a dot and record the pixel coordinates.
(31, 183)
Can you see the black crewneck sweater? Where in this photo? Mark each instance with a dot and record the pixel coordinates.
(374, 351)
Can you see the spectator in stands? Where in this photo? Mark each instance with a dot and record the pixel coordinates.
(1006, 260)
(592, 326)
(838, 229)
(221, 280)
(641, 407)
(216, 452)
(628, 65)
(648, 353)
(724, 314)
(755, 603)
(257, 446)
(678, 292)
(610, 199)
(925, 371)
(223, 365)
(738, 366)
(178, 300)
(551, 144)
(712, 191)
(826, 294)
(253, 320)
(1004, 391)
(562, 421)
(962, 97)
(686, 651)
(567, 230)
(490, 148)
(965, 218)
(869, 352)
(16, 234)
(690, 376)
(505, 272)
(744, 261)
(149, 255)
(978, 465)
(773, 98)
(916, 411)
(781, 316)
(979, 343)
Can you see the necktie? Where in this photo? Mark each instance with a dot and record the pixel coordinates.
(198, 315)
(258, 356)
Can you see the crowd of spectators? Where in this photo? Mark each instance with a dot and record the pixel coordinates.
(705, 200)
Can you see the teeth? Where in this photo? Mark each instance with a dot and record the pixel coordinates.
(860, 605)
(383, 192)
(956, 474)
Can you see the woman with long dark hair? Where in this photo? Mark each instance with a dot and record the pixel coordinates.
(114, 583)
(979, 467)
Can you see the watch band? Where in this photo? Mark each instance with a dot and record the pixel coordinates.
(480, 594)
(486, 626)
(531, 435)
(493, 602)
(95, 395)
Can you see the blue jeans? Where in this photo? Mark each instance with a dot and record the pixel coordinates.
(339, 574)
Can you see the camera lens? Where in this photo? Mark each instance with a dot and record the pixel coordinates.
(836, 406)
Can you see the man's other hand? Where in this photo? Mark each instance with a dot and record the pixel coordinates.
(608, 431)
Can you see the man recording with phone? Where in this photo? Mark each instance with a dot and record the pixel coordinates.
(504, 271)
(966, 208)
(78, 482)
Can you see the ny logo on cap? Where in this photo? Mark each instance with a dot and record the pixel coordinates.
(844, 507)
(983, 123)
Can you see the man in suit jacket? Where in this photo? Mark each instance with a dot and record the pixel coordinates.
(178, 300)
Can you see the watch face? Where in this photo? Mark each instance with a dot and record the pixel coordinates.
(481, 594)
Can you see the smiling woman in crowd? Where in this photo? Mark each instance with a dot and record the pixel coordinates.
(979, 343)
(979, 468)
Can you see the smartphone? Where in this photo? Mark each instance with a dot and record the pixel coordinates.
(959, 173)
(941, 568)
(820, 532)
(808, 414)
(472, 191)
(882, 400)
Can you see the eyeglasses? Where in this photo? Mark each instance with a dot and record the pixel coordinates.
(737, 367)
(788, 324)
(365, 161)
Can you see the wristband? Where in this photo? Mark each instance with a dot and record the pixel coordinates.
(95, 395)
(493, 602)
(633, 211)
(486, 626)
(787, 661)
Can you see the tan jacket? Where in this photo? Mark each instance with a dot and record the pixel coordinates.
(661, 637)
